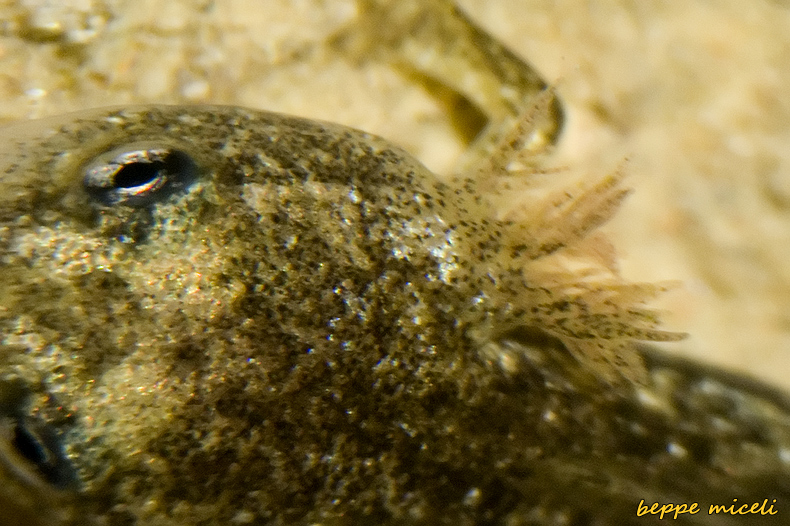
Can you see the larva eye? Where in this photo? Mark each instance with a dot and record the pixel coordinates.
(139, 176)
(39, 446)
(30, 448)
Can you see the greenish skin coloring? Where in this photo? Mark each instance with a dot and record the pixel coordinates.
(216, 315)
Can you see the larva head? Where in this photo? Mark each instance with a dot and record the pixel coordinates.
(220, 313)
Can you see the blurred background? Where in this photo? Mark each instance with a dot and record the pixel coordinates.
(695, 94)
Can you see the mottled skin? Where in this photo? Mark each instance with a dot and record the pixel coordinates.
(286, 326)
(316, 330)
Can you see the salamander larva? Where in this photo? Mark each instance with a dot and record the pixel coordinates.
(216, 315)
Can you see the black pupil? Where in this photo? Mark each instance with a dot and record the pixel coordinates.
(138, 174)
(140, 177)
(29, 447)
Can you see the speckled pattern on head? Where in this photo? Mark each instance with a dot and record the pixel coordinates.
(315, 330)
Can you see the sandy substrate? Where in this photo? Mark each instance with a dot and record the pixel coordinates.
(695, 94)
